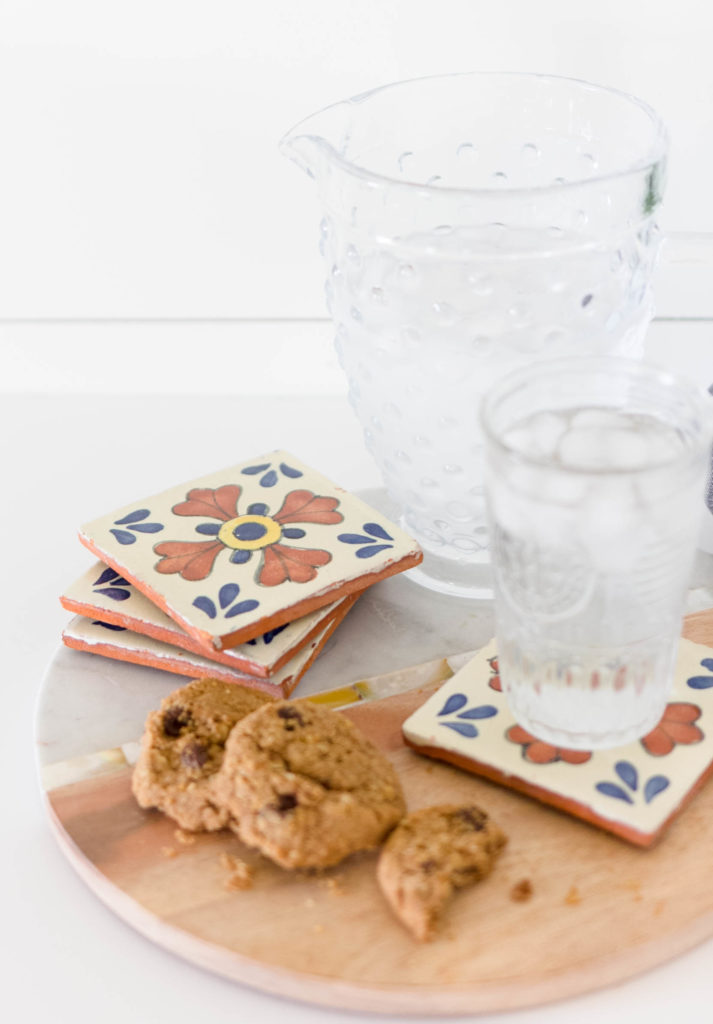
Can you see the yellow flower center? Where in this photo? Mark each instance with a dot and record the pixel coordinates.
(248, 533)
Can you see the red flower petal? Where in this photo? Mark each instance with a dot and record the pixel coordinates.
(682, 732)
(193, 561)
(574, 756)
(216, 504)
(516, 734)
(657, 742)
(306, 507)
(495, 684)
(540, 752)
(680, 712)
(296, 564)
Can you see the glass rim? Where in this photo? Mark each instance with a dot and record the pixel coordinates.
(701, 404)
(654, 158)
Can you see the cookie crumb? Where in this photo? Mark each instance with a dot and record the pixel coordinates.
(241, 874)
(573, 896)
(521, 891)
(317, 928)
(168, 851)
(185, 838)
(309, 902)
(334, 888)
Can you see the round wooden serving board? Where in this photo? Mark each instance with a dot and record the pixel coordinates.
(600, 910)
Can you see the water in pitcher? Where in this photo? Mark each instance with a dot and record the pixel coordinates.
(593, 533)
(426, 325)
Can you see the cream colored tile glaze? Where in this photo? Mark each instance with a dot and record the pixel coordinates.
(263, 523)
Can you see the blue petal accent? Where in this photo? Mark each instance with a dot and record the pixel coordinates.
(147, 527)
(627, 773)
(124, 537)
(115, 593)
(268, 637)
(209, 529)
(241, 607)
(377, 531)
(133, 517)
(206, 605)
(109, 625)
(700, 682)
(258, 508)
(238, 557)
(254, 470)
(121, 582)
(107, 575)
(707, 663)
(611, 789)
(484, 711)
(372, 550)
(655, 785)
(454, 703)
(293, 532)
(289, 471)
(464, 728)
(354, 538)
(227, 594)
(269, 480)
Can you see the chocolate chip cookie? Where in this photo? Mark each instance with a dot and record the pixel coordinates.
(305, 787)
(182, 749)
(429, 855)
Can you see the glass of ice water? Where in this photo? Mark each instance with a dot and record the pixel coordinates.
(595, 470)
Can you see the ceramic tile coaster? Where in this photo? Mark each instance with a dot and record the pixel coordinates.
(241, 551)
(123, 645)
(634, 791)
(101, 593)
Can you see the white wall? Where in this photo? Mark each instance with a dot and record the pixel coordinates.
(139, 173)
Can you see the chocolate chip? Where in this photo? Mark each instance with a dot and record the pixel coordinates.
(428, 865)
(194, 755)
(286, 802)
(174, 720)
(291, 714)
(521, 891)
(474, 817)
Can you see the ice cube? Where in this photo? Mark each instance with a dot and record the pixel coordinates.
(546, 429)
(603, 448)
(602, 418)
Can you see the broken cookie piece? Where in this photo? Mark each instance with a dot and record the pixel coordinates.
(431, 854)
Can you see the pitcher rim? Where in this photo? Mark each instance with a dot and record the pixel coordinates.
(655, 159)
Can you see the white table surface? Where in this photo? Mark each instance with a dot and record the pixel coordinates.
(68, 457)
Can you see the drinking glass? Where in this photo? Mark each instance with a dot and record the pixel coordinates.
(595, 472)
(474, 223)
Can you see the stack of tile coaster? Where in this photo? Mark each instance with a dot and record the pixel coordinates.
(243, 574)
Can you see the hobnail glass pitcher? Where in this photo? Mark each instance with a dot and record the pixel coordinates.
(474, 222)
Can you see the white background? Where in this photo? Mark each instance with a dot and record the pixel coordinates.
(153, 240)
(139, 170)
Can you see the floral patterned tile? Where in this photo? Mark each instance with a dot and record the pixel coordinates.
(634, 791)
(276, 536)
(102, 593)
(117, 642)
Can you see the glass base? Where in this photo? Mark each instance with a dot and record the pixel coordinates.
(458, 579)
(571, 740)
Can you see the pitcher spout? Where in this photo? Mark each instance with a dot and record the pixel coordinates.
(318, 139)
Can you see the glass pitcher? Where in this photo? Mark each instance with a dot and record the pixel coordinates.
(472, 223)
